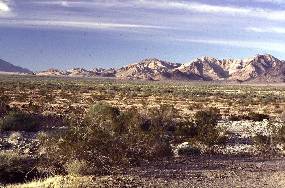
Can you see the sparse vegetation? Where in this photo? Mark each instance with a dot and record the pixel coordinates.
(251, 116)
(272, 142)
(4, 108)
(206, 125)
(15, 168)
(19, 121)
(97, 127)
(107, 139)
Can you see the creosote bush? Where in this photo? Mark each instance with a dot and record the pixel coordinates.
(107, 139)
(206, 130)
(19, 121)
(251, 116)
(15, 168)
(269, 143)
(4, 107)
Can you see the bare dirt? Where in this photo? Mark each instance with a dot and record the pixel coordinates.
(203, 171)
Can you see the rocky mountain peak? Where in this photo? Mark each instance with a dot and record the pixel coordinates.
(206, 59)
(262, 67)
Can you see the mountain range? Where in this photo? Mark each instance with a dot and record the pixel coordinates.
(260, 68)
(6, 67)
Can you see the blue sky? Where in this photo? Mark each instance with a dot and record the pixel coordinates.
(40, 34)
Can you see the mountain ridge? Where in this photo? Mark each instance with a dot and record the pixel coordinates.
(259, 68)
(6, 67)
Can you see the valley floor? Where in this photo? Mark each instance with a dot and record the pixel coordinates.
(202, 171)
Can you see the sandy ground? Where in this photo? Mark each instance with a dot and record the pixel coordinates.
(200, 171)
(205, 171)
(211, 171)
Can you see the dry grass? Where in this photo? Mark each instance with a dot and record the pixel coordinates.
(74, 96)
(58, 182)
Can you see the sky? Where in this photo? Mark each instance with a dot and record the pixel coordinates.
(64, 34)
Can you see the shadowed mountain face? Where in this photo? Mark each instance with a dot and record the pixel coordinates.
(150, 69)
(261, 68)
(10, 68)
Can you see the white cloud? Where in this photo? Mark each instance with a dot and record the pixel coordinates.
(277, 30)
(267, 46)
(271, 1)
(4, 7)
(194, 6)
(197, 7)
(77, 24)
(216, 9)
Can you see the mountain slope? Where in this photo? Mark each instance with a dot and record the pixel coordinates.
(260, 68)
(206, 68)
(150, 69)
(10, 68)
(264, 68)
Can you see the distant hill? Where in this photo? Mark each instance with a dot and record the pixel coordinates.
(260, 68)
(6, 67)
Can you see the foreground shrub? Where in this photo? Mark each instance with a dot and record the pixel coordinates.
(258, 117)
(107, 139)
(78, 168)
(19, 121)
(251, 116)
(4, 108)
(263, 142)
(188, 151)
(207, 131)
(270, 143)
(15, 168)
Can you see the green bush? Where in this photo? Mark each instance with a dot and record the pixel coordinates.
(19, 121)
(185, 130)
(207, 131)
(107, 139)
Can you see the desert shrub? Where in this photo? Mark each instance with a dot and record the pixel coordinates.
(233, 117)
(251, 116)
(208, 117)
(34, 108)
(257, 117)
(19, 121)
(263, 142)
(15, 168)
(4, 108)
(105, 140)
(188, 151)
(279, 134)
(77, 168)
(269, 143)
(206, 128)
(185, 129)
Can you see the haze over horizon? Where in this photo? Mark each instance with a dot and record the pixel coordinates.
(40, 34)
